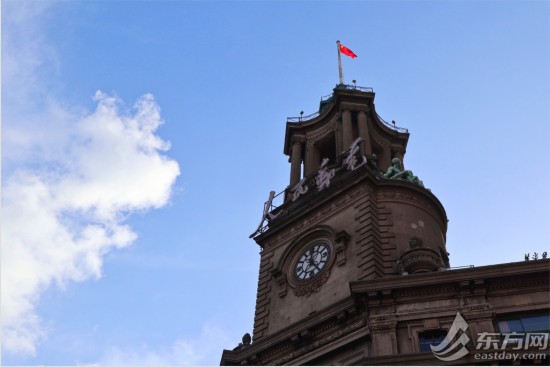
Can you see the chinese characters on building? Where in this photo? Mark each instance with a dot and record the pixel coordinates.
(351, 160)
(324, 176)
(322, 181)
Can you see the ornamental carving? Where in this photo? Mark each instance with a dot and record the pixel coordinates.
(282, 285)
(419, 260)
(308, 289)
(415, 242)
(306, 263)
(382, 322)
(342, 239)
(518, 283)
(340, 254)
(479, 307)
(426, 292)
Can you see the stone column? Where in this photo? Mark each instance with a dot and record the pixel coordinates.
(347, 129)
(296, 163)
(475, 309)
(398, 152)
(384, 338)
(366, 148)
(385, 160)
(339, 143)
(312, 160)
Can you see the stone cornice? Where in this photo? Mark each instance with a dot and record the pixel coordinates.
(315, 347)
(333, 344)
(321, 321)
(283, 336)
(451, 276)
(354, 100)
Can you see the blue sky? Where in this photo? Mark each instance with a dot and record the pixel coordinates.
(141, 139)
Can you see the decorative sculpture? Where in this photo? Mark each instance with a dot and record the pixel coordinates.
(267, 213)
(415, 242)
(395, 171)
(246, 339)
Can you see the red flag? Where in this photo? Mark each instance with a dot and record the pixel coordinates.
(347, 51)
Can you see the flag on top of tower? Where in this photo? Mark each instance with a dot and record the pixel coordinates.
(346, 51)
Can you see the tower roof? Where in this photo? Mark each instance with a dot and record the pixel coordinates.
(343, 97)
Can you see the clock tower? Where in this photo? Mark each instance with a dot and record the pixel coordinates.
(354, 266)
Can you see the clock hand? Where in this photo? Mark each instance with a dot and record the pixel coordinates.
(314, 257)
(309, 261)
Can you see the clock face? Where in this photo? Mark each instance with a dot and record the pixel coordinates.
(312, 261)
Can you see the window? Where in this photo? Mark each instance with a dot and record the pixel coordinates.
(427, 338)
(525, 324)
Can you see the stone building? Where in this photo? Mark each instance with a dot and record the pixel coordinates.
(354, 268)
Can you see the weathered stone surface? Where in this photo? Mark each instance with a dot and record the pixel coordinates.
(385, 277)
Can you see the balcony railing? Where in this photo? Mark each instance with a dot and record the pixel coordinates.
(327, 99)
(392, 125)
(354, 87)
(303, 118)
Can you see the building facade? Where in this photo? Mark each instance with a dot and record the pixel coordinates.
(354, 268)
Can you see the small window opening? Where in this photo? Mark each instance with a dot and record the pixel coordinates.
(432, 337)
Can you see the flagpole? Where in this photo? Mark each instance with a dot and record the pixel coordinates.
(340, 73)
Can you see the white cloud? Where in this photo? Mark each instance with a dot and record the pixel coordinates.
(29, 52)
(70, 180)
(205, 349)
(58, 222)
(30, 67)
